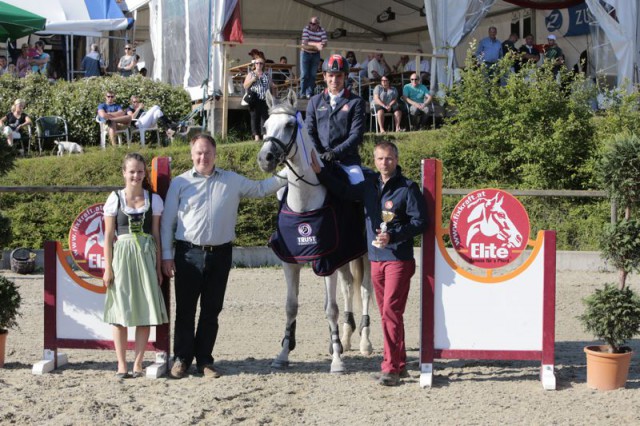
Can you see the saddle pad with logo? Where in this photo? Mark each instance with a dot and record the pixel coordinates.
(328, 237)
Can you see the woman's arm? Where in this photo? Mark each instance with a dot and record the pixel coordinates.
(109, 236)
(155, 231)
(249, 80)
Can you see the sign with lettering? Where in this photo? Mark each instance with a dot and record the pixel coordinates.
(572, 21)
(489, 228)
(86, 240)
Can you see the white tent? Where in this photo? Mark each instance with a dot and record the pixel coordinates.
(78, 17)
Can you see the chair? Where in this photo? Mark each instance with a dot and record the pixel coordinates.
(104, 133)
(49, 128)
(374, 119)
(20, 139)
(143, 131)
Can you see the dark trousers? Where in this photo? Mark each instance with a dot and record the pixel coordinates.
(199, 275)
(259, 113)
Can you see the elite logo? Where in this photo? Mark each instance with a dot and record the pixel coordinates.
(86, 240)
(489, 228)
(306, 239)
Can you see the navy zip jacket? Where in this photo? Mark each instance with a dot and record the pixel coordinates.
(341, 129)
(399, 195)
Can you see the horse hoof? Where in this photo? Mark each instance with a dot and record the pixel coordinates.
(366, 349)
(338, 369)
(279, 365)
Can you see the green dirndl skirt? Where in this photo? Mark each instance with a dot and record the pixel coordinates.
(134, 298)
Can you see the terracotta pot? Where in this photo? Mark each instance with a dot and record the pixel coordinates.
(607, 371)
(3, 343)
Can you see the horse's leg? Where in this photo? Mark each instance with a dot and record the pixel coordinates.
(366, 291)
(347, 279)
(331, 311)
(292, 276)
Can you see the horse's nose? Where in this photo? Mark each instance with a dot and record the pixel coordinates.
(269, 157)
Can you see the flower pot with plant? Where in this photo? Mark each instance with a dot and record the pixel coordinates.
(613, 313)
(9, 305)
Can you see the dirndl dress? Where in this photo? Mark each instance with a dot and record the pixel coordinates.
(134, 298)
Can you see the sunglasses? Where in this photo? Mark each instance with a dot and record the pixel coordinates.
(314, 23)
(110, 96)
(127, 48)
(413, 79)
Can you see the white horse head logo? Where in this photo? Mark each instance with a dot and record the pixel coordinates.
(489, 218)
(95, 231)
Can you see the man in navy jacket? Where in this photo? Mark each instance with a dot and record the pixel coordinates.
(335, 118)
(392, 262)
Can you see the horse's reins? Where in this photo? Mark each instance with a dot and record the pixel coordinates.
(285, 149)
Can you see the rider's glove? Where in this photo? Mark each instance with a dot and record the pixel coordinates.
(328, 156)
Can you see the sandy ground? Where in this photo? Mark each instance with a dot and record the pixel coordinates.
(465, 392)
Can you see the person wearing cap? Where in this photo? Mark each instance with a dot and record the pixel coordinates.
(128, 61)
(335, 119)
(554, 54)
(314, 39)
(489, 49)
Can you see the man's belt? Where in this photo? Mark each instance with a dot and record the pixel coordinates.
(209, 249)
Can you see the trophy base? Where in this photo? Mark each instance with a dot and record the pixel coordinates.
(376, 244)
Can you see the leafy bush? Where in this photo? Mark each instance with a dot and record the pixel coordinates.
(523, 130)
(613, 315)
(9, 304)
(78, 101)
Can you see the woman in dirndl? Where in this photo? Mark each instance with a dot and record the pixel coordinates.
(132, 272)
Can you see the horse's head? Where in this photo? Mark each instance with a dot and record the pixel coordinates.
(508, 232)
(280, 132)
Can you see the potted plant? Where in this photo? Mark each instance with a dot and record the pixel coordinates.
(9, 305)
(613, 313)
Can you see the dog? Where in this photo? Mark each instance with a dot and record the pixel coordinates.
(69, 147)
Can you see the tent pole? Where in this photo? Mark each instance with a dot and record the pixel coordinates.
(68, 53)
(225, 92)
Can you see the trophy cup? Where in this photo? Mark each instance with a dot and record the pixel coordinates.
(387, 217)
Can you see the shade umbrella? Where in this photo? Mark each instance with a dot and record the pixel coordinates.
(16, 22)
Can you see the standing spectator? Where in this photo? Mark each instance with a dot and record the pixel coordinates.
(385, 99)
(417, 96)
(392, 261)
(128, 62)
(377, 67)
(335, 118)
(22, 63)
(3, 65)
(200, 217)
(112, 115)
(15, 120)
(364, 72)
(528, 51)
(132, 273)
(314, 39)
(40, 62)
(489, 49)
(554, 54)
(509, 47)
(258, 82)
(92, 64)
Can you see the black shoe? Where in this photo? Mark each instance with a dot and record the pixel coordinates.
(389, 379)
(404, 374)
(108, 122)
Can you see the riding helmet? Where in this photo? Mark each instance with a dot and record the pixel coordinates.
(336, 63)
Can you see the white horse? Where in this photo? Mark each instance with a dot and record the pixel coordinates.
(285, 144)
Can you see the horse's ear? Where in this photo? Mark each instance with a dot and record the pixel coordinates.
(269, 99)
(292, 98)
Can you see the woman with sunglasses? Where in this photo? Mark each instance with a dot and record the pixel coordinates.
(128, 62)
(258, 82)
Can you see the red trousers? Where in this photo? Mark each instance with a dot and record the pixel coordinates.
(391, 281)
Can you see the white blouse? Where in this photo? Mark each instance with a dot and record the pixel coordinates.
(111, 206)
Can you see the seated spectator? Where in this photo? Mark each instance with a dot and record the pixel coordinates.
(14, 121)
(3, 64)
(150, 118)
(143, 71)
(425, 67)
(378, 67)
(93, 64)
(385, 99)
(280, 76)
(364, 72)
(353, 77)
(12, 70)
(112, 115)
(401, 66)
(417, 96)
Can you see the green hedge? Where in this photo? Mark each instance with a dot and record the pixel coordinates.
(78, 101)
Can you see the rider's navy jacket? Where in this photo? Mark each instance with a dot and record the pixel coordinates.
(340, 129)
(399, 195)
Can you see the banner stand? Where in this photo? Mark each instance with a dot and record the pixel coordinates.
(467, 315)
(73, 306)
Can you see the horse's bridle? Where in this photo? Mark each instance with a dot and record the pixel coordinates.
(285, 150)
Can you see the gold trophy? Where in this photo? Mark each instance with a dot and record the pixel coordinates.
(387, 217)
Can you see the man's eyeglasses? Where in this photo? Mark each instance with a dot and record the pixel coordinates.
(127, 48)
(110, 96)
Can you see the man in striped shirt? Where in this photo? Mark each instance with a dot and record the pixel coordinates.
(314, 39)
